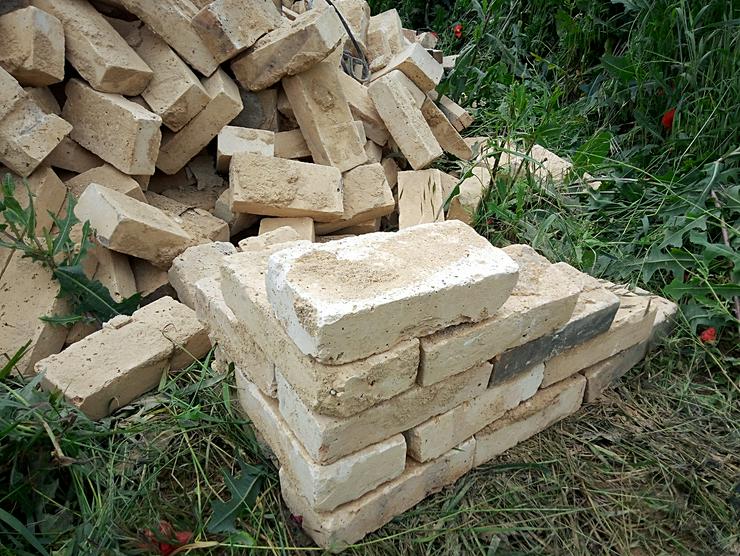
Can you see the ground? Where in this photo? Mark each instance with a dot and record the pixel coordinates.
(643, 94)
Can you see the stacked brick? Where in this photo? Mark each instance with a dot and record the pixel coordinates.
(383, 367)
(378, 367)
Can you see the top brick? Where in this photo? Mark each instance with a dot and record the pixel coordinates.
(348, 299)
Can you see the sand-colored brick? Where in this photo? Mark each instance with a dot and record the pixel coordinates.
(396, 105)
(194, 264)
(233, 336)
(363, 109)
(98, 377)
(351, 522)
(290, 49)
(465, 203)
(304, 227)
(327, 438)
(96, 50)
(593, 314)
(116, 129)
(69, 155)
(33, 46)
(546, 407)
(422, 195)
(601, 375)
(114, 272)
(28, 291)
(237, 222)
(109, 177)
(129, 226)
(282, 234)
(233, 139)
(633, 324)
(337, 390)
(174, 92)
(287, 188)
(417, 64)
(27, 133)
(346, 312)
(170, 19)
(385, 36)
(229, 27)
(542, 301)
(324, 486)
(224, 105)
(445, 133)
(291, 144)
(324, 116)
(367, 196)
(199, 224)
(442, 433)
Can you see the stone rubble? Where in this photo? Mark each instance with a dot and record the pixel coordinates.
(378, 367)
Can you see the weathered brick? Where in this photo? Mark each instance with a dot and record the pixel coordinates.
(98, 376)
(404, 120)
(422, 195)
(45, 99)
(327, 438)
(229, 27)
(367, 196)
(445, 133)
(96, 50)
(304, 227)
(351, 522)
(339, 312)
(282, 234)
(237, 222)
(170, 19)
(27, 133)
(602, 374)
(291, 144)
(385, 36)
(282, 187)
(542, 301)
(458, 116)
(27, 292)
(260, 110)
(33, 49)
(114, 272)
(151, 281)
(233, 139)
(338, 390)
(194, 264)
(109, 177)
(363, 109)
(117, 130)
(633, 324)
(174, 93)
(224, 105)
(417, 64)
(442, 433)
(290, 49)
(129, 226)
(70, 156)
(593, 314)
(233, 337)
(464, 205)
(548, 406)
(199, 224)
(324, 116)
(324, 486)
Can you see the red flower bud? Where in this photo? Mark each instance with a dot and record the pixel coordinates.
(458, 30)
(667, 119)
(709, 335)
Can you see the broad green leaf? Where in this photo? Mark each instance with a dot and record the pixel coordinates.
(244, 490)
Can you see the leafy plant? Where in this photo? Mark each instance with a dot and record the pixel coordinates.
(62, 254)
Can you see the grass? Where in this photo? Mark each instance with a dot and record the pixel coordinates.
(651, 469)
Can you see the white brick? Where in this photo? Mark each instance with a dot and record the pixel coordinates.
(548, 406)
(442, 433)
(324, 486)
(347, 311)
(233, 139)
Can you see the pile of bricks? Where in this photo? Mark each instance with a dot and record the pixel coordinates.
(382, 367)
(238, 156)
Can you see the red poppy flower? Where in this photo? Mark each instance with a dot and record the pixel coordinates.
(709, 335)
(667, 119)
(458, 30)
(166, 540)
